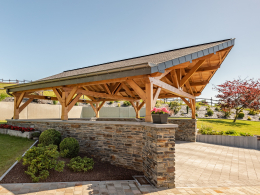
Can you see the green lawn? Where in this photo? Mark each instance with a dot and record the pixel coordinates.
(11, 148)
(252, 127)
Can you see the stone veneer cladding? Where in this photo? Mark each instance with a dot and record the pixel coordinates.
(141, 146)
(186, 130)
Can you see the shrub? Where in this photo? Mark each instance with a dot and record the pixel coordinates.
(231, 132)
(217, 109)
(245, 134)
(175, 106)
(54, 102)
(3, 96)
(40, 160)
(69, 147)
(241, 115)
(111, 102)
(118, 104)
(249, 118)
(210, 112)
(127, 103)
(50, 136)
(158, 105)
(253, 112)
(78, 164)
(187, 108)
(196, 115)
(198, 106)
(36, 134)
(227, 114)
(76, 104)
(206, 115)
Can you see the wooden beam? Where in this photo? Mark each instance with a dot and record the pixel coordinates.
(191, 72)
(25, 104)
(162, 74)
(101, 95)
(193, 105)
(95, 109)
(141, 105)
(128, 91)
(156, 95)
(199, 83)
(205, 69)
(100, 106)
(136, 109)
(20, 99)
(186, 102)
(64, 111)
(74, 101)
(171, 89)
(137, 89)
(118, 89)
(106, 88)
(175, 79)
(57, 94)
(114, 87)
(149, 100)
(86, 89)
(71, 95)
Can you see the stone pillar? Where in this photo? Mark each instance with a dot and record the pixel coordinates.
(159, 155)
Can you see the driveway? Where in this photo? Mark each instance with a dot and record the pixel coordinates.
(208, 165)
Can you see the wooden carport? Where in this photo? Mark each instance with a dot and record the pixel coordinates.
(180, 73)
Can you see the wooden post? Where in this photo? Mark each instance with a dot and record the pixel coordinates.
(16, 110)
(193, 103)
(148, 101)
(64, 111)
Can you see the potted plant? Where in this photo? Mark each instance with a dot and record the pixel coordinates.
(160, 115)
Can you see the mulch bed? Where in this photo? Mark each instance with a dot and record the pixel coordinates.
(102, 171)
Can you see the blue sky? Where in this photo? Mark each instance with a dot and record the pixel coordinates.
(42, 38)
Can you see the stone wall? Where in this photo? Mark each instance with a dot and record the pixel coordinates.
(140, 146)
(186, 130)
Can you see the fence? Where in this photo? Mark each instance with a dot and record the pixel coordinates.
(14, 81)
(205, 100)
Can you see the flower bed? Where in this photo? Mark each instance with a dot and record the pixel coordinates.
(16, 131)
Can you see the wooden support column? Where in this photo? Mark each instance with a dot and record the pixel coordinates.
(64, 111)
(148, 101)
(193, 105)
(17, 101)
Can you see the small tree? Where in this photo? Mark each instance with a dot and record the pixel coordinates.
(239, 94)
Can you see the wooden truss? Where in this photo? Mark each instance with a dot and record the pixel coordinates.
(186, 80)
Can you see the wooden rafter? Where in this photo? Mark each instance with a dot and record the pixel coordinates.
(162, 74)
(199, 83)
(191, 72)
(106, 88)
(137, 89)
(170, 88)
(127, 90)
(71, 95)
(25, 104)
(74, 101)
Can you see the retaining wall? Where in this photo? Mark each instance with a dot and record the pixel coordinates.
(236, 141)
(141, 146)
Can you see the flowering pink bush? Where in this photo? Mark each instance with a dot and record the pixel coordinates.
(160, 111)
(22, 129)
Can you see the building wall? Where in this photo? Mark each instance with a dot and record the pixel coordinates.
(43, 111)
(141, 146)
(186, 130)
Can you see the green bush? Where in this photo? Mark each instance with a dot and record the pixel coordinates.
(196, 114)
(245, 134)
(206, 115)
(78, 164)
(127, 103)
(36, 134)
(241, 115)
(158, 105)
(231, 132)
(54, 102)
(210, 112)
(76, 104)
(217, 109)
(111, 102)
(253, 112)
(175, 106)
(249, 118)
(119, 105)
(3, 96)
(40, 160)
(198, 106)
(50, 136)
(227, 114)
(69, 147)
(187, 108)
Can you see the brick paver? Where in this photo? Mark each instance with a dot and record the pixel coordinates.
(115, 188)
(208, 165)
(200, 169)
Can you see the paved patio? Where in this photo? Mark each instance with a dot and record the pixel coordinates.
(208, 165)
(200, 169)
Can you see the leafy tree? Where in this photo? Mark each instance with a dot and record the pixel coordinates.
(239, 94)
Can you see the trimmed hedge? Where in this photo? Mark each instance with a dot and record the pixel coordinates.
(50, 136)
(69, 147)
